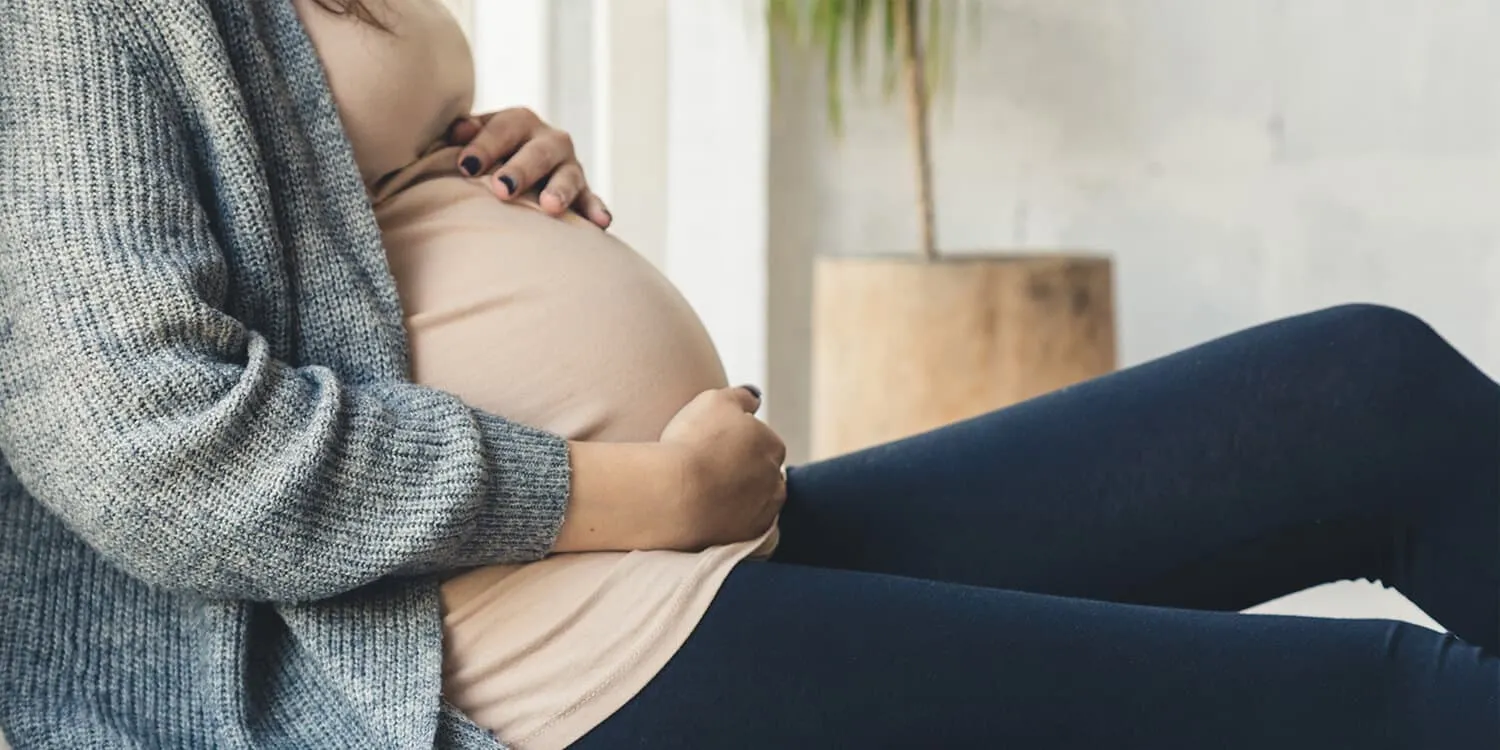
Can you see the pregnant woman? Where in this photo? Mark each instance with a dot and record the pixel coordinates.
(321, 431)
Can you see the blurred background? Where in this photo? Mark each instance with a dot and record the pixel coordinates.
(1234, 161)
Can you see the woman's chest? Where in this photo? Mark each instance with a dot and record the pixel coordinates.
(398, 88)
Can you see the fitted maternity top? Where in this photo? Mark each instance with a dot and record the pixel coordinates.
(549, 322)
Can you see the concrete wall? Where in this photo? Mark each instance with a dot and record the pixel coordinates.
(1242, 160)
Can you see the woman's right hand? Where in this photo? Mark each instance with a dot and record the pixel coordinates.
(715, 477)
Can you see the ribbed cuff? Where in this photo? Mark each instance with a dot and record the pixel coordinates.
(529, 481)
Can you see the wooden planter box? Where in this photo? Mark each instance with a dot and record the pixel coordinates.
(901, 345)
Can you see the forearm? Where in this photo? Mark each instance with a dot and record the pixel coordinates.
(713, 478)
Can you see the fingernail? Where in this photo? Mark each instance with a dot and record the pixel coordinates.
(753, 391)
(509, 183)
(609, 218)
(470, 165)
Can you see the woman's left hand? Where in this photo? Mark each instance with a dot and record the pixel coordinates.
(530, 154)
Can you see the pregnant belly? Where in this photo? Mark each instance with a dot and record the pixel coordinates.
(552, 323)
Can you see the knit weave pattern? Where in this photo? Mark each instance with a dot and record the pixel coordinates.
(222, 502)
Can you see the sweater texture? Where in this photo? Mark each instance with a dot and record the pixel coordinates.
(223, 505)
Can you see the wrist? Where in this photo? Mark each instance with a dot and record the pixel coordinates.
(622, 497)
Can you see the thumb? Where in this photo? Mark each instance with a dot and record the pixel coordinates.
(746, 396)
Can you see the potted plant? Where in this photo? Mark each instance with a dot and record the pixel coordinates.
(902, 344)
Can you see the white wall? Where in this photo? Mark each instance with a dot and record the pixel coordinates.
(1242, 160)
(628, 88)
(718, 158)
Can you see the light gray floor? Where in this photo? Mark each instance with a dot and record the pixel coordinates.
(1349, 600)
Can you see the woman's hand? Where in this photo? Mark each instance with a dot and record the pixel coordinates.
(715, 478)
(531, 154)
(733, 481)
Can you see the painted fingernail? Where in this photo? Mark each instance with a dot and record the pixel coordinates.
(509, 183)
(753, 391)
(470, 165)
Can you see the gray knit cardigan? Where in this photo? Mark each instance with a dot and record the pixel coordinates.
(222, 505)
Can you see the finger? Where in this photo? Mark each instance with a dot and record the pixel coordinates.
(592, 207)
(774, 446)
(563, 188)
(778, 452)
(778, 499)
(536, 159)
(463, 130)
(502, 134)
(747, 397)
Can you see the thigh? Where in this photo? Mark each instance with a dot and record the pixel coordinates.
(1299, 452)
(794, 657)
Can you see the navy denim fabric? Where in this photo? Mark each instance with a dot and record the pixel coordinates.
(1066, 573)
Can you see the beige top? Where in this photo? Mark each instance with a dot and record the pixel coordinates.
(549, 322)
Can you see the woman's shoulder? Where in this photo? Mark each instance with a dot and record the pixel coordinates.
(132, 66)
(49, 44)
(175, 42)
(62, 26)
(88, 76)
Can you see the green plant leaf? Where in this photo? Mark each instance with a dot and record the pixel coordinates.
(839, 30)
(889, 45)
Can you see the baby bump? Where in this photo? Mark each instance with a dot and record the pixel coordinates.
(555, 324)
(548, 322)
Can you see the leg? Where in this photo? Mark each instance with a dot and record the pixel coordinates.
(793, 657)
(1348, 443)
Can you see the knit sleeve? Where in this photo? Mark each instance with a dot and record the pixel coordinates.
(159, 428)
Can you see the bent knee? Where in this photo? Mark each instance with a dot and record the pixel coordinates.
(1384, 340)
(1377, 322)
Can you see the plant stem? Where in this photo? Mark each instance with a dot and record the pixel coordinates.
(918, 119)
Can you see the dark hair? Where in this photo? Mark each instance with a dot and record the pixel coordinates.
(355, 8)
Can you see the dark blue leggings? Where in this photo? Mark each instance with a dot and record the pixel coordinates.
(1065, 573)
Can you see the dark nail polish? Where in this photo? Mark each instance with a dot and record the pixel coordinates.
(470, 165)
(753, 391)
(509, 183)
